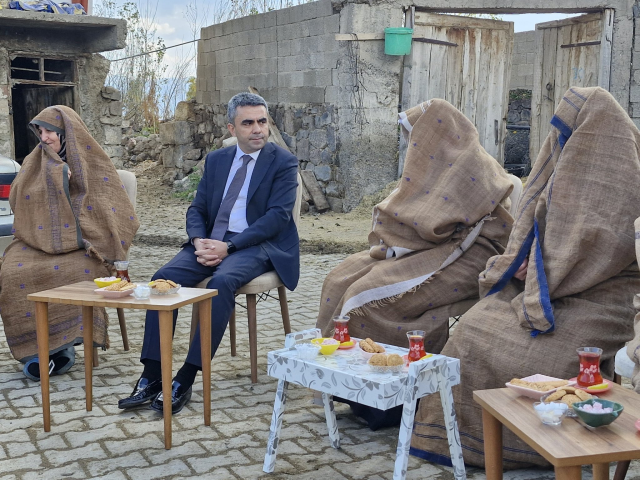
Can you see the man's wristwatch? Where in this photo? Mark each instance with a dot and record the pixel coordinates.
(230, 247)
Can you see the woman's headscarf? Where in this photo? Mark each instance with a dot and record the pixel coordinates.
(91, 210)
(58, 130)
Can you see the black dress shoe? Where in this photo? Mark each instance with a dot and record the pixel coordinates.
(142, 393)
(179, 398)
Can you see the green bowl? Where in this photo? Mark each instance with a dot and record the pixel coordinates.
(598, 419)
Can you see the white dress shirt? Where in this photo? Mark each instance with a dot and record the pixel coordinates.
(238, 217)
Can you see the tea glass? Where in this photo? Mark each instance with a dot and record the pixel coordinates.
(341, 332)
(589, 366)
(122, 269)
(416, 345)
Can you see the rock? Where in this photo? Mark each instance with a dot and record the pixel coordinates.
(318, 139)
(304, 207)
(111, 93)
(229, 141)
(302, 149)
(115, 109)
(200, 167)
(131, 144)
(185, 112)
(189, 165)
(336, 204)
(175, 133)
(314, 156)
(331, 138)
(192, 155)
(325, 157)
(335, 189)
(181, 185)
(323, 173)
(324, 119)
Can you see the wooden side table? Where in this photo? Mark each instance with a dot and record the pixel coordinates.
(567, 446)
(83, 294)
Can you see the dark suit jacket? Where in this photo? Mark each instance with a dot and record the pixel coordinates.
(270, 201)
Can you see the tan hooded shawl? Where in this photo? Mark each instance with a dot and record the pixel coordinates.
(65, 231)
(445, 218)
(575, 224)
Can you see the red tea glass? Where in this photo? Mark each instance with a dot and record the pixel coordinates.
(416, 345)
(341, 332)
(122, 269)
(589, 366)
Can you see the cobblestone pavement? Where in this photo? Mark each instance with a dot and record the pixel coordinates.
(111, 444)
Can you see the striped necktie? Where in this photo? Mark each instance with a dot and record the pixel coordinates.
(221, 223)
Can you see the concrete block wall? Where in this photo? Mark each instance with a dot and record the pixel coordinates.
(288, 55)
(524, 54)
(634, 90)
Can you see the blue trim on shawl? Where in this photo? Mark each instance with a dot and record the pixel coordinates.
(563, 128)
(545, 301)
(431, 457)
(515, 265)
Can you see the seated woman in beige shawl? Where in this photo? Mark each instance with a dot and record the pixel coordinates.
(73, 218)
(430, 238)
(574, 223)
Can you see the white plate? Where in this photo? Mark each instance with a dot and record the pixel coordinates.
(529, 392)
(113, 294)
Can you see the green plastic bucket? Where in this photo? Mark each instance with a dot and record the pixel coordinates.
(397, 41)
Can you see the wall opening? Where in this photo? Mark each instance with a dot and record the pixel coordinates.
(38, 83)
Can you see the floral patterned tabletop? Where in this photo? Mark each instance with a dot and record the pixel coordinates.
(346, 374)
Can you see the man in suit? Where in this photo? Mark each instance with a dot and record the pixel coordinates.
(240, 225)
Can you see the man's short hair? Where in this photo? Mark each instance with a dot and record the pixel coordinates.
(243, 99)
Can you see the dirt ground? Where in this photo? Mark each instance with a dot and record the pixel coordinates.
(162, 218)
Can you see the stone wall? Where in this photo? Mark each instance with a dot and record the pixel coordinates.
(522, 61)
(100, 109)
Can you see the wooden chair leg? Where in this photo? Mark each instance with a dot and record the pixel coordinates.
(621, 470)
(253, 336)
(195, 319)
(123, 329)
(96, 362)
(617, 379)
(284, 308)
(232, 332)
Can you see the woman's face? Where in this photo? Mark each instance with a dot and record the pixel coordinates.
(50, 138)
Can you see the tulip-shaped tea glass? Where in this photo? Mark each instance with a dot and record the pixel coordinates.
(589, 366)
(416, 345)
(341, 332)
(122, 269)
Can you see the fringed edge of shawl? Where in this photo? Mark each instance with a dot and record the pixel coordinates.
(459, 248)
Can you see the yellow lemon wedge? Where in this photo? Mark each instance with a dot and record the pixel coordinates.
(601, 386)
(427, 356)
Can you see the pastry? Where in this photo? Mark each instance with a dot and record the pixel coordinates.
(394, 359)
(379, 359)
(570, 399)
(582, 394)
(557, 395)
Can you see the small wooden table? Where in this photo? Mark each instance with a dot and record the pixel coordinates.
(83, 294)
(568, 446)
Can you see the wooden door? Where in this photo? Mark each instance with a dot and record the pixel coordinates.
(574, 52)
(466, 61)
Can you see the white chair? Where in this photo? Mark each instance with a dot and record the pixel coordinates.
(130, 183)
(257, 289)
